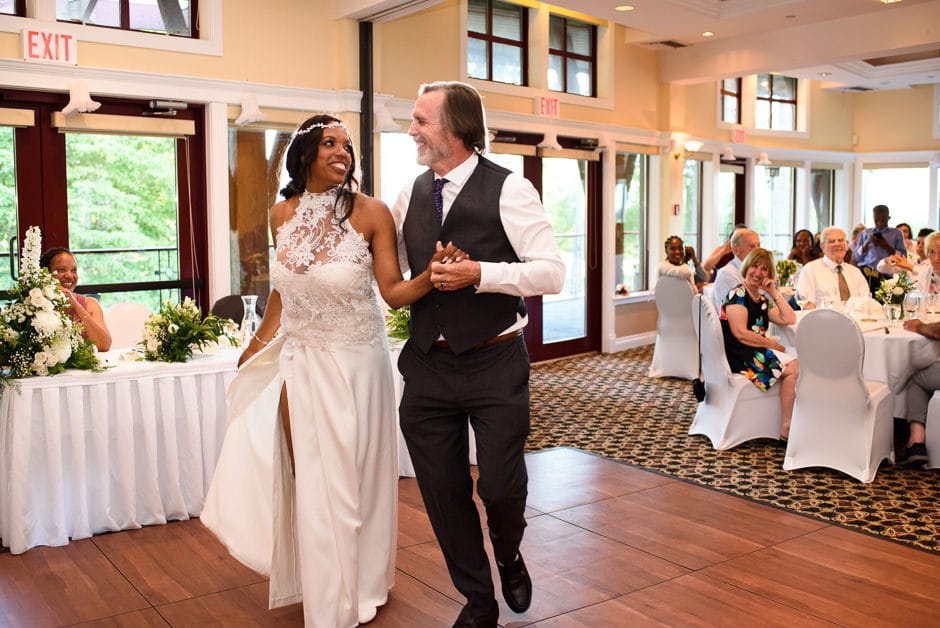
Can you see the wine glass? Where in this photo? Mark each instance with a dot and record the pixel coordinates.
(933, 300)
(911, 304)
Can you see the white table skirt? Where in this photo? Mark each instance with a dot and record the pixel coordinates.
(83, 453)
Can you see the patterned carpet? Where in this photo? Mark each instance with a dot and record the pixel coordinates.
(605, 404)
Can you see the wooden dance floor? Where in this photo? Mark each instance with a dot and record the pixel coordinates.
(607, 545)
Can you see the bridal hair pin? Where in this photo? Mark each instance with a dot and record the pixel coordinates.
(322, 125)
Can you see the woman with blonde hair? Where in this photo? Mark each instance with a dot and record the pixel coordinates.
(745, 317)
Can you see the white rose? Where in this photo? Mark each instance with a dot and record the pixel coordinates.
(36, 298)
(49, 291)
(46, 323)
(62, 349)
(151, 344)
(897, 290)
(173, 328)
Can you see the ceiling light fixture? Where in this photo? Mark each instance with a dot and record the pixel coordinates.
(825, 74)
(708, 34)
(624, 7)
(889, 1)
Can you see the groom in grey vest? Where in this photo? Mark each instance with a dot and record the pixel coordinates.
(466, 360)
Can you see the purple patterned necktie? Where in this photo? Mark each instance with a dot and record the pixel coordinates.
(439, 199)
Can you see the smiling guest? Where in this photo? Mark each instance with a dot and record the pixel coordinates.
(743, 241)
(676, 264)
(830, 277)
(745, 316)
(85, 310)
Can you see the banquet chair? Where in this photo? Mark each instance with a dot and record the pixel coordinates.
(734, 410)
(933, 432)
(673, 354)
(840, 421)
(125, 321)
(230, 306)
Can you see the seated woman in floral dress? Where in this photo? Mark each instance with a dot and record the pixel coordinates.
(745, 316)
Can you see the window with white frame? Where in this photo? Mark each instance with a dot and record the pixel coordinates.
(630, 220)
(904, 188)
(572, 56)
(167, 17)
(731, 100)
(692, 204)
(774, 210)
(497, 38)
(13, 7)
(775, 106)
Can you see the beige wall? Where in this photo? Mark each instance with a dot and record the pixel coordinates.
(296, 44)
(897, 120)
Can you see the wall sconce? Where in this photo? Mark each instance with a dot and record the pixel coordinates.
(762, 160)
(79, 100)
(682, 149)
(550, 140)
(250, 111)
(384, 122)
(727, 153)
(693, 146)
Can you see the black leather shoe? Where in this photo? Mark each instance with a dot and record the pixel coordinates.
(471, 616)
(517, 586)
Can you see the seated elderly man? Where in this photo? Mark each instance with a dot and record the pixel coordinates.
(829, 277)
(743, 241)
(919, 391)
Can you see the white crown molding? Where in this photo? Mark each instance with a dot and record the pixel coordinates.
(122, 83)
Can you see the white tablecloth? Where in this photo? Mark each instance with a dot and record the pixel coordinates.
(83, 453)
(891, 358)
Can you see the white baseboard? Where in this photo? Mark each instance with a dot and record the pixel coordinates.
(632, 342)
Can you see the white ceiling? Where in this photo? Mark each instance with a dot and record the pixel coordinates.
(827, 40)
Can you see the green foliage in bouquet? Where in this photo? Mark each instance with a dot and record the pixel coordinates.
(786, 268)
(894, 290)
(178, 329)
(37, 334)
(396, 323)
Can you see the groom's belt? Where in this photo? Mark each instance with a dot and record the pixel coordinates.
(486, 343)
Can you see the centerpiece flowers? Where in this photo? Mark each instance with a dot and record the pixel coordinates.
(786, 270)
(892, 291)
(396, 323)
(37, 334)
(178, 329)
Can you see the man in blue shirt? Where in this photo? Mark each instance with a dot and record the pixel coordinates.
(878, 243)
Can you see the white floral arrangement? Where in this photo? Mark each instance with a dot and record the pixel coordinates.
(37, 334)
(179, 329)
(893, 290)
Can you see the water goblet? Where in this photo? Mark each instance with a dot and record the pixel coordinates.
(911, 304)
(933, 300)
(801, 298)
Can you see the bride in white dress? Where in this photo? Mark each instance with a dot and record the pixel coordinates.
(335, 479)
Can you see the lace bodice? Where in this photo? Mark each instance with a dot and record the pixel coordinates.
(323, 272)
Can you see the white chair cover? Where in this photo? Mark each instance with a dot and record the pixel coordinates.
(125, 322)
(675, 353)
(734, 410)
(933, 432)
(839, 421)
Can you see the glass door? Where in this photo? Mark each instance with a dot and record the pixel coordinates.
(9, 225)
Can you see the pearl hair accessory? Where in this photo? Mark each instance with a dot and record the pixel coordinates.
(322, 125)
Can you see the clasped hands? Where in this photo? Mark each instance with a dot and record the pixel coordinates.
(452, 269)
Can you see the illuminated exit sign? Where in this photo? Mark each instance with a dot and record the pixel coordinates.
(547, 107)
(49, 47)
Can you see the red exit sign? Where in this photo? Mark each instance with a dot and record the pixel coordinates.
(547, 107)
(49, 46)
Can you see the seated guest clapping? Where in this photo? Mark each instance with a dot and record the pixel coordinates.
(676, 264)
(85, 310)
(745, 316)
(830, 277)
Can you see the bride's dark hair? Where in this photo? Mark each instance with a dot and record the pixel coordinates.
(303, 151)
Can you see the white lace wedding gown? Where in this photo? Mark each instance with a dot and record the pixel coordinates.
(335, 521)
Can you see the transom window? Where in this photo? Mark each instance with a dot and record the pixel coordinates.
(572, 56)
(776, 102)
(13, 7)
(731, 100)
(497, 34)
(171, 17)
